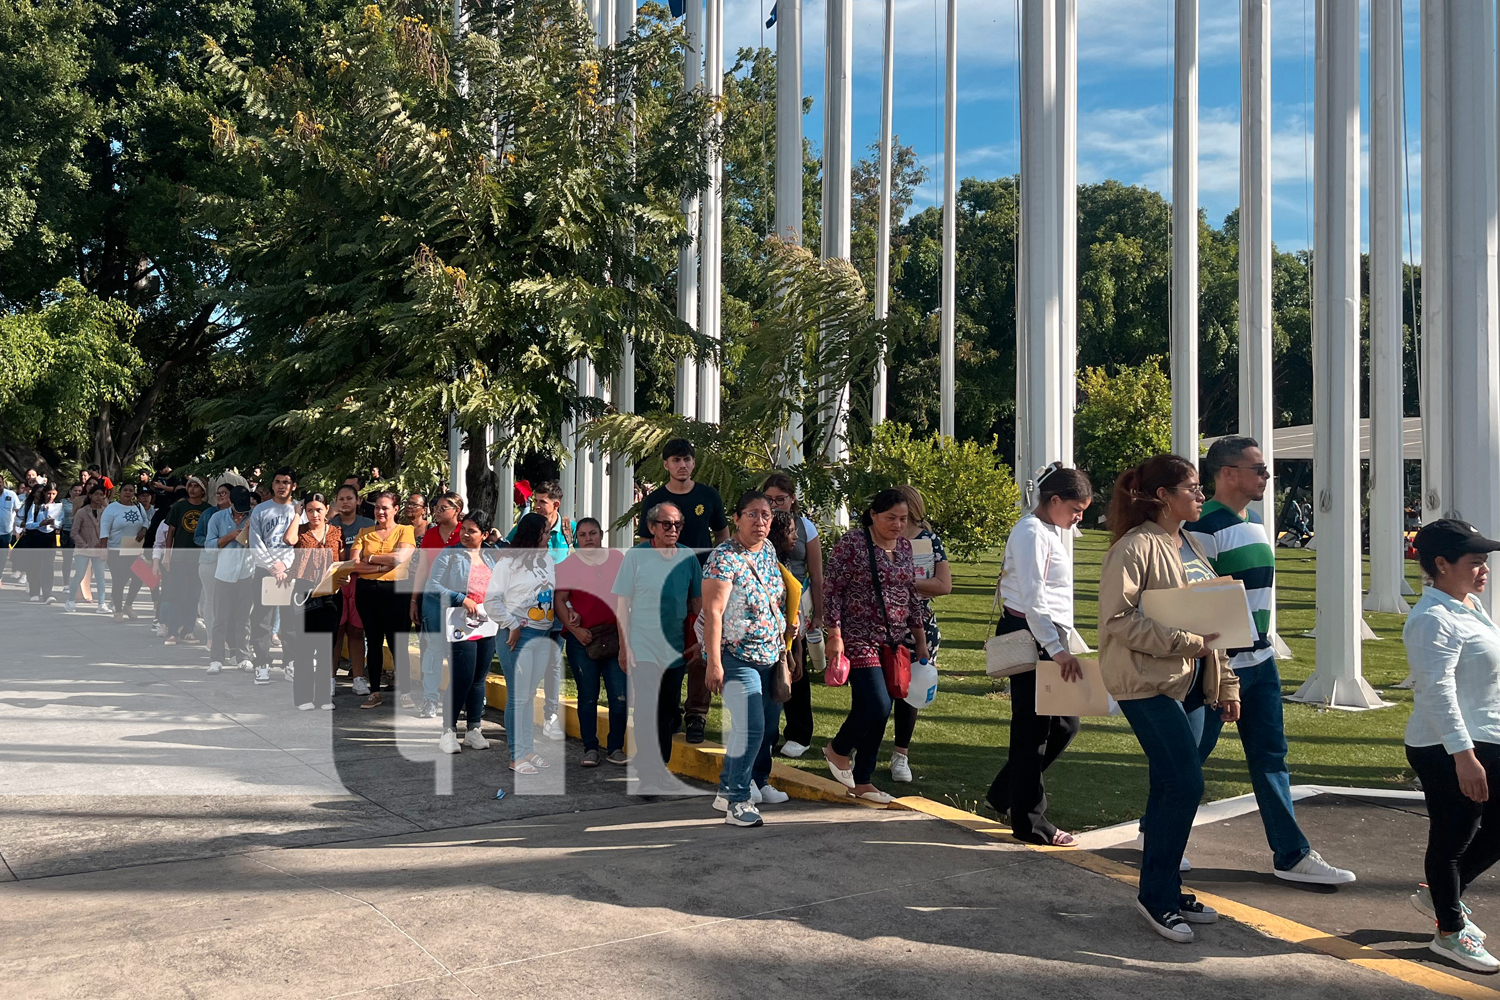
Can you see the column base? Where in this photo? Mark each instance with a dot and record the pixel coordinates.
(1352, 694)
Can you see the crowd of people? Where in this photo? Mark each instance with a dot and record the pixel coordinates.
(742, 604)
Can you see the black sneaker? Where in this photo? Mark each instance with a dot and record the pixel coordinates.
(1195, 912)
(617, 757)
(1169, 925)
(695, 727)
(590, 758)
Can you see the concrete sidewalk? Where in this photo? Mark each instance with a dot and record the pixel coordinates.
(1381, 839)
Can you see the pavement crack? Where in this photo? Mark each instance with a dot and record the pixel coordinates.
(449, 973)
(8, 868)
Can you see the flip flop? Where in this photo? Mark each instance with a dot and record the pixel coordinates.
(1063, 838)
(536, 761)
(523, 767)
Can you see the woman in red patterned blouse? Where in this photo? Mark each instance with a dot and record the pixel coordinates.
(857, 626)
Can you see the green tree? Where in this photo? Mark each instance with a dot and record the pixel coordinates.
(104, 135)
(1122, 419)
(423, 247)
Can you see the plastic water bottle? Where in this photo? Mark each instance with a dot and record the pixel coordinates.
(817, 653)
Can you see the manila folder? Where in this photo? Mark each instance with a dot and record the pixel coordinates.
(1211, 606)
(1086, 696)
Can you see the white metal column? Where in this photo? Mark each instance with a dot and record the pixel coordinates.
(1337, 680)
(711, 294)
(838, 127)
(789, 167)
(621, 469)
(1185, 231)
(1387, 285)
(1039, 439)
(883, 237)
(1067, 151)
(946, 386)
(1460, 367)
(458, 459)
(687, 256)
(1257, 413)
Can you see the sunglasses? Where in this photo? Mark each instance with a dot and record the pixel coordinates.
(1259, 468)
(1196, 491)
(669, 525)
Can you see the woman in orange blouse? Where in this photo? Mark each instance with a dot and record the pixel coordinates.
(310, 648)
(381, 555)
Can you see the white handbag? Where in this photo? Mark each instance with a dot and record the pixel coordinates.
(1011, 653)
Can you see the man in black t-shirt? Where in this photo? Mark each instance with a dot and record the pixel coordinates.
(703, 527)
(703, 521)
(183, 586)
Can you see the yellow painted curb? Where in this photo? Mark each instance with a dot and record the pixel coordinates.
(699, 761)
(1264, 921)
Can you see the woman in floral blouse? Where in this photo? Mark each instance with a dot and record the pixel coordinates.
(857, 626)
(744, 624)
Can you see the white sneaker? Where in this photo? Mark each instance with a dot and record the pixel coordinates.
(247, 665)
(69, 607)
(215, 667)
(262, 675)
(553, 730)
(449, 743)
(50, 600)
(755, 796)
(900, 767)
(1140, 845)
(35, 600)
(721, 804)
(474, 738)
(1315, 870)
(361, 686)
(104, 609)
(327, 706)
(771, 795)
(793, 749)
(288, 671)
(306, 706)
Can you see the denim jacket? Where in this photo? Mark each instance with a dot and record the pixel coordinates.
(1454, 655)
(448, 582)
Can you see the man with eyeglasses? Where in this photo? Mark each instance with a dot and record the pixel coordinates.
(1234, 539)
(659, 586)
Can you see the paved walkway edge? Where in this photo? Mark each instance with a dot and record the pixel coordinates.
(702, 761)
(1413, 973)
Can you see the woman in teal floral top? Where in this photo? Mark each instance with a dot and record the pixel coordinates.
(743, 628)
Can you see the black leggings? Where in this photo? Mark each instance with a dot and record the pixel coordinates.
(123, 583)
(798, 711)
(384, 614)
(309, 644)
(1035, 742)
(1463, 836)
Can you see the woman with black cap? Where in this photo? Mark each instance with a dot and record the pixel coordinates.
(1453, 736)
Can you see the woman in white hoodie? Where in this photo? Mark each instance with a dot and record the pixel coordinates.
(519, 600)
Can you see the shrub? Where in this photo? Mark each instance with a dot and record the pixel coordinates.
(1122, 420)
(972, 499)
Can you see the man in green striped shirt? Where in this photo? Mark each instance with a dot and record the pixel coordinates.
(1236, 543)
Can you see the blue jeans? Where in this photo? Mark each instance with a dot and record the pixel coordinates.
(588, 674)
(434, 647)
(864, 727)
(1169, 735)
(1264, 740)
(524, 668)
(82, 560)
(752, 716)
(471, 665)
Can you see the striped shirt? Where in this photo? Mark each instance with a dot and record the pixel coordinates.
(1238, 547)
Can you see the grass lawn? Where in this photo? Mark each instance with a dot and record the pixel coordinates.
(960, 741)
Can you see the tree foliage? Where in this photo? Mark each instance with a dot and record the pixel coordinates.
(1123, 419)
(445, 227)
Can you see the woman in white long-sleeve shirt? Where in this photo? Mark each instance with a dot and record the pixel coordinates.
(1453, 735)
(1037, 587)
(519, 600)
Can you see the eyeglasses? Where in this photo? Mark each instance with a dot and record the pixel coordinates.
(445, 506)
(1259, 468)
(778, 498)
(1196, 491)
(668, 525)
(756, 515)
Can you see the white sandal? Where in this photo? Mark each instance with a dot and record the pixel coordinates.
(877, 796)
(523, 767)
(843, 775)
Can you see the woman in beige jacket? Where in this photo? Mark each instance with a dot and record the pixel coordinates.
(1162, 677)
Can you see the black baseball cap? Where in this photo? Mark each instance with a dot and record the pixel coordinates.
(1450, 538)
(240, 499)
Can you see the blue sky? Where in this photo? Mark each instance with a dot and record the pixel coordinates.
(1125, 93)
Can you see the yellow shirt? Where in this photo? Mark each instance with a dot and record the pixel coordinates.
(793, 602)
(368, 543)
